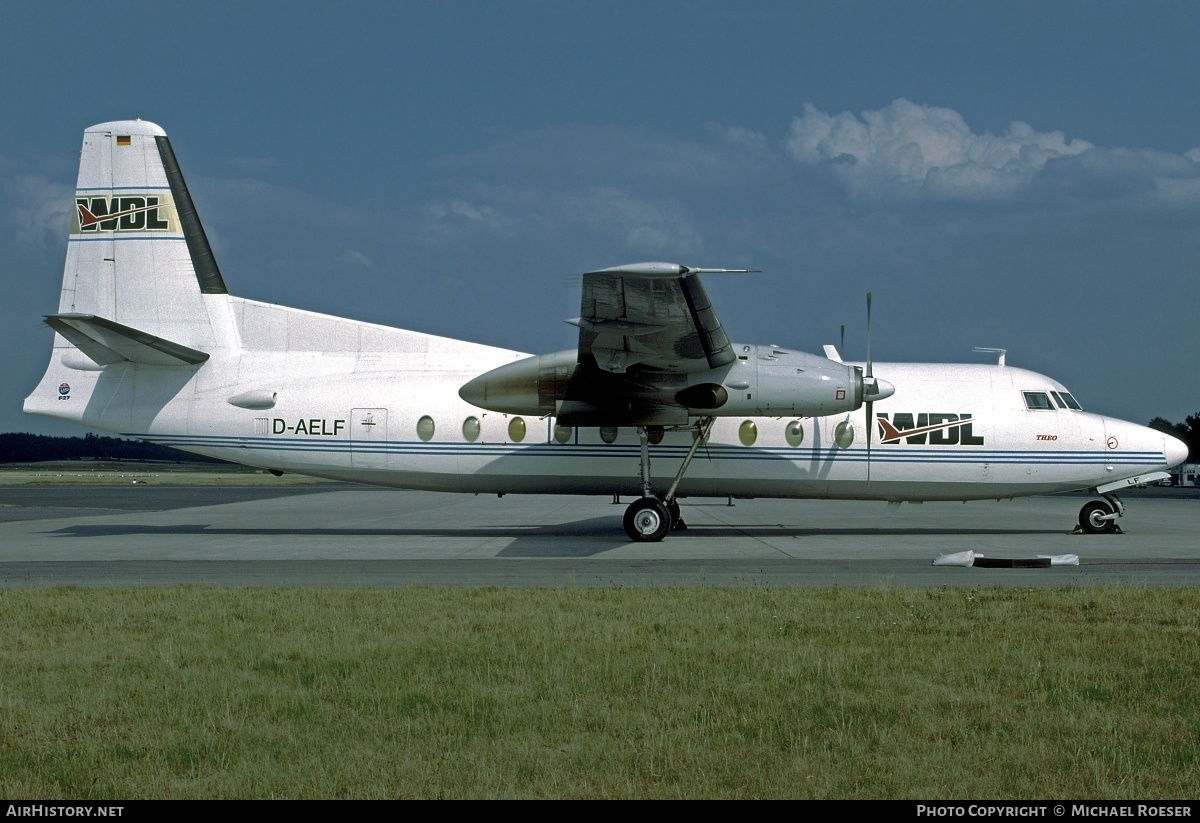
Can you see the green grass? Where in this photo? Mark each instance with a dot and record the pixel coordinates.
(421, 692)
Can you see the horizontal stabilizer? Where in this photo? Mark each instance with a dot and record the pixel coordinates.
(107, 342)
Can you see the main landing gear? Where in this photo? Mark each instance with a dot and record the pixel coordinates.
(649, 519)
(1100, 516)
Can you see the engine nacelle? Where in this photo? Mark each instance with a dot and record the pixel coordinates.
(762, 381)
(532, 387)
(769, 381)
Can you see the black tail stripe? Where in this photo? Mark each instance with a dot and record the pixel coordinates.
(205, 265)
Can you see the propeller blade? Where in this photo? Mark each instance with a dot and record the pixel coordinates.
(869, 371)
(870, 431)
(870, 403)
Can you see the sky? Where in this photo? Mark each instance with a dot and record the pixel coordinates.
(1022, 175)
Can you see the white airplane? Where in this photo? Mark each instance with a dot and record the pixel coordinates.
(149, 344)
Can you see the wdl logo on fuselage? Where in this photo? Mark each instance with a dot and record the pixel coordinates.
(937, 429)
(124, 213)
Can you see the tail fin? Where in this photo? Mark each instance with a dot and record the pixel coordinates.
(143, 305)
(137, 254)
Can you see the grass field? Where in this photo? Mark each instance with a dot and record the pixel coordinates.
(421, 692)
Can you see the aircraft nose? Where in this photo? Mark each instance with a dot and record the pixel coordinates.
(1175, 450)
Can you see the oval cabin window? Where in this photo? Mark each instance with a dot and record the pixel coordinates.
(843, 434)
(425, 428)
(794, 433)
(747, 432)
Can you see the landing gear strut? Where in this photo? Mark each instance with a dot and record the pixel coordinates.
(649, 519)
(1100, 516)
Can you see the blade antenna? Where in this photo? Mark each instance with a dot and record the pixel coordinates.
(842, 347)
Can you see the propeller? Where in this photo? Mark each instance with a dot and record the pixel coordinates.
(869, 387)
(873, 389)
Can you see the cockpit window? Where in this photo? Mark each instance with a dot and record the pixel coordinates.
(1058, 400)
(1072, 403)
(1038, 401)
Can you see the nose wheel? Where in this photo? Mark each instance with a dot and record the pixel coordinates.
(1099, 517)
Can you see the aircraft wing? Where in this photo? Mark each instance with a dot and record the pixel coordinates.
(653, 315)
(651, 351)
(642, 329)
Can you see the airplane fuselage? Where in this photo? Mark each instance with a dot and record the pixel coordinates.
(390, 414)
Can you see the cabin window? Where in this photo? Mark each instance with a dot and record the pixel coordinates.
(747, 432)
(562, 434)
(516, 429)
(471, 429)
(794, 432)
(425, 428)
(843, 434)
(1038, 401)
(608, 433)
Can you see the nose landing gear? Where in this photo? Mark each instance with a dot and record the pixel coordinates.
(1100, 516)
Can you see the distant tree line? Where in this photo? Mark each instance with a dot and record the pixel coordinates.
(1188, 431)
(36, 448)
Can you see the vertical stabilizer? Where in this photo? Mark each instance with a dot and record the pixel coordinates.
(137, 254)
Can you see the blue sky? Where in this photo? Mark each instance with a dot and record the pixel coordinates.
(1015, 174)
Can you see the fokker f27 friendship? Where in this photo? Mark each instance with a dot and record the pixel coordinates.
(150, 344)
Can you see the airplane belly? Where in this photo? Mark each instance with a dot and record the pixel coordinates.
(613, 469)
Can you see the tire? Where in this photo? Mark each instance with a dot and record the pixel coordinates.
(1090, 517)
(647, 521)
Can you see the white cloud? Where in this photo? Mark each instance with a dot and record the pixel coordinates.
(40, 211)
(737, 134)
(358, 259)
(612, 215)
(581, 155)
(476, 212)
(643, 225)
(907, 148)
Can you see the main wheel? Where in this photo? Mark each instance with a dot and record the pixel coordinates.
(647, 520)
(1091, 517)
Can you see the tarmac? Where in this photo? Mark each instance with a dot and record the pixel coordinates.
(346, 535)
